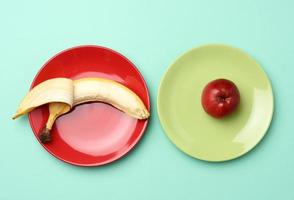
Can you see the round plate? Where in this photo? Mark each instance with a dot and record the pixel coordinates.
(186, 123)
(94, 133)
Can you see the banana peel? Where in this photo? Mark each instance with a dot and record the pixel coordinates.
(52, 90)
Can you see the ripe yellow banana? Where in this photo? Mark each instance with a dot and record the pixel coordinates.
(83, 90)
(62, 94)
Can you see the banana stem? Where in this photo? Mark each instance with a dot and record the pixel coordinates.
(55, 110)
(51, 120)
(45, 134)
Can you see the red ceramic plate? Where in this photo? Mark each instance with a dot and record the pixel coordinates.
(95, 133)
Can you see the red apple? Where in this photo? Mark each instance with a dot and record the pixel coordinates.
(220, 98)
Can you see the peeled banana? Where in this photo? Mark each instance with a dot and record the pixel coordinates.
(108, 91)
(63, 93)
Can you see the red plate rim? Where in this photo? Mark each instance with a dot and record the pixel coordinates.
(130, 147)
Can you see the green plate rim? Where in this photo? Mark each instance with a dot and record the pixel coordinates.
(164, 127)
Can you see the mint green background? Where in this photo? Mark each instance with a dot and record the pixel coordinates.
(152, 34)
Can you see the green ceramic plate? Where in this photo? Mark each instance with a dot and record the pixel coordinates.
(183, 118)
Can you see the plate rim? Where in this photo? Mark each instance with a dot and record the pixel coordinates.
(169, 68)
(130, 147)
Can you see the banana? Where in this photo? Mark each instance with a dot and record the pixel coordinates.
(62, 94)
(72, 93)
